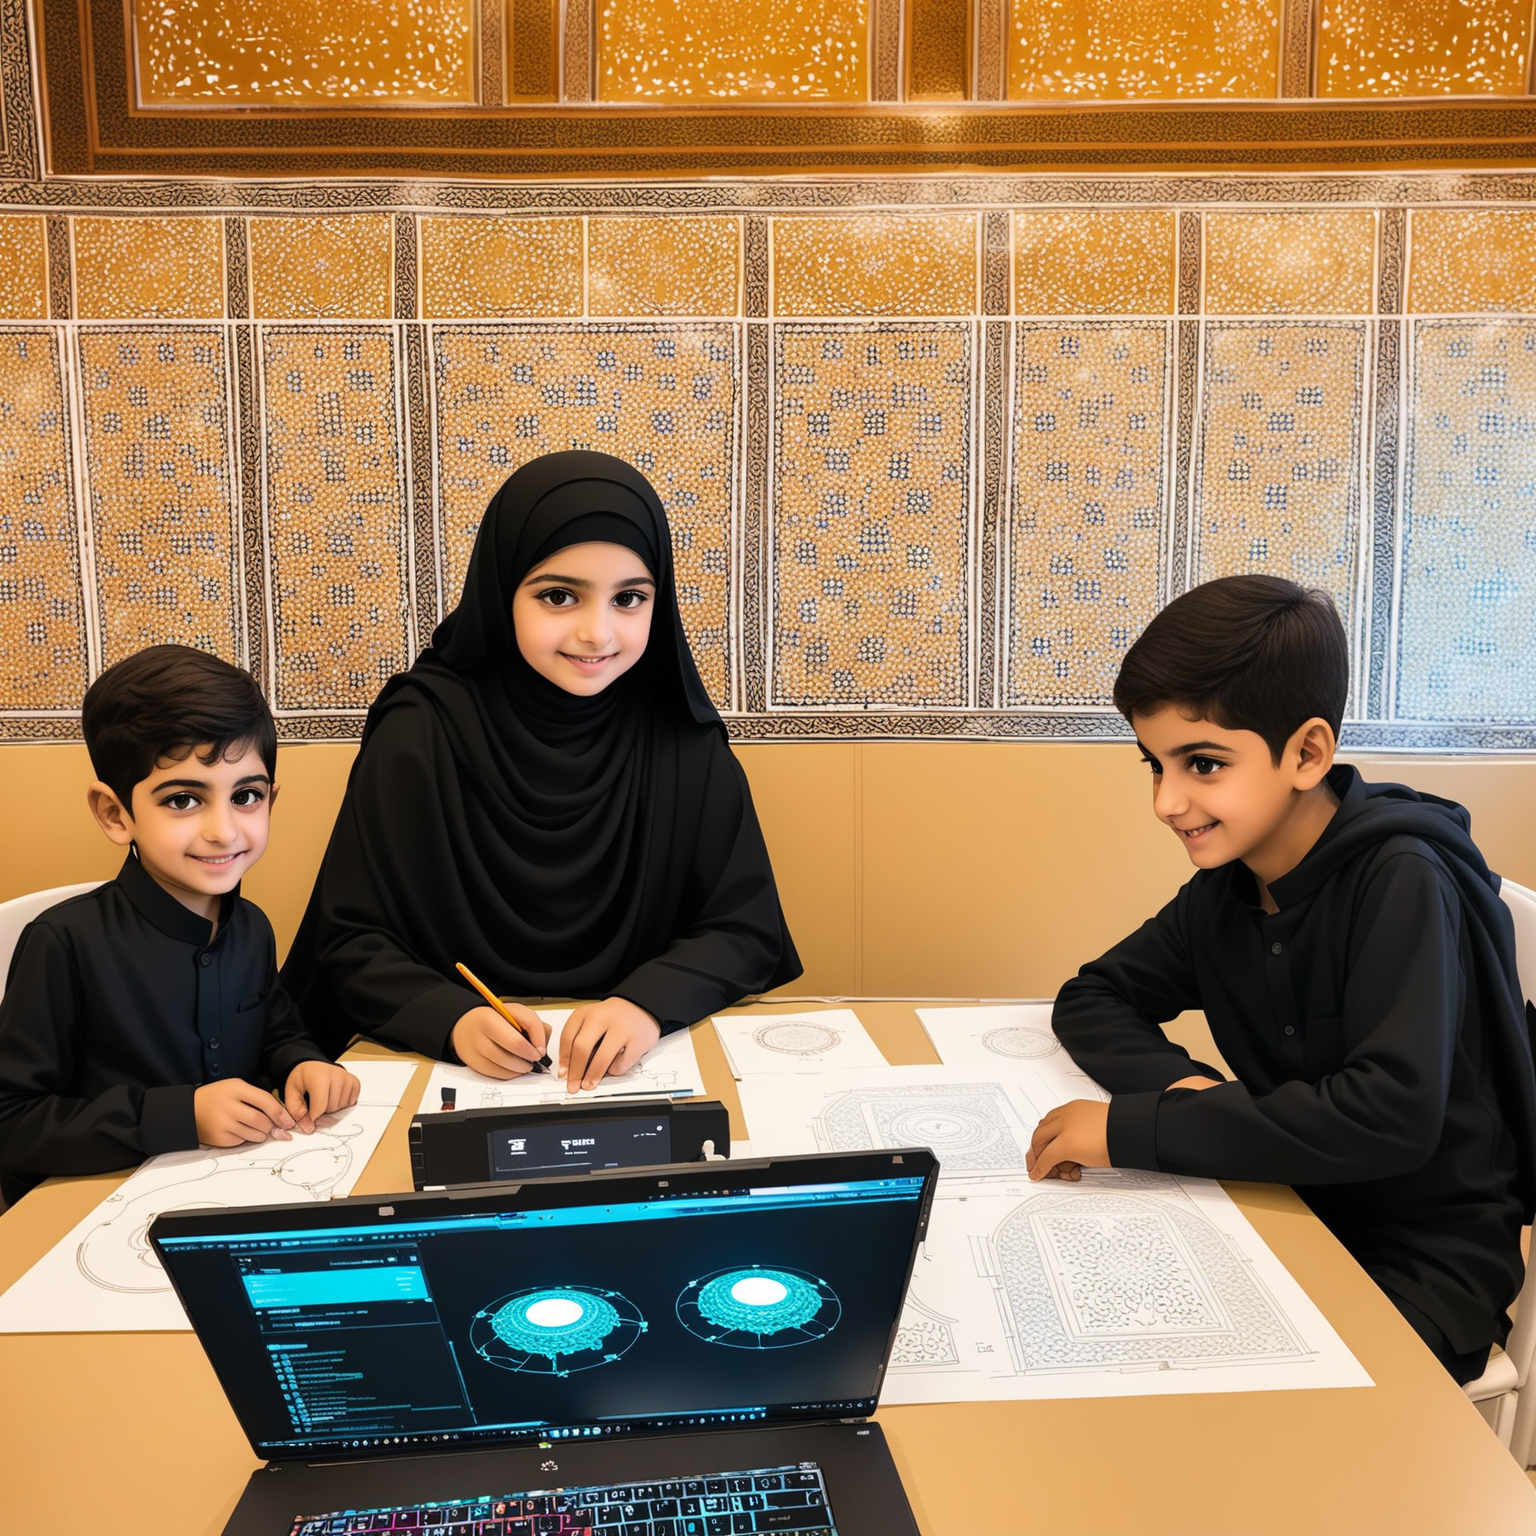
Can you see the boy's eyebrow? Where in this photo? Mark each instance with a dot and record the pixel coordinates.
(1197, 746)
(577, 581)
(250, 778)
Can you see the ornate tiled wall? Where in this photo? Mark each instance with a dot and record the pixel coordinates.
(934, 451)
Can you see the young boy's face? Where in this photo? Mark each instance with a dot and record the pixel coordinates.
(198, 826)
(583, 616)
(1222, 791)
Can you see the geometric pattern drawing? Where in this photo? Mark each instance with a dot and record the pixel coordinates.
(1467, 631)
(555, 1330)
(925, 1337)
(1278, 485)
(160, 470)
(1089, 481)
(1090, 1280)
(42, 609)
(969, 1127)
(759, 1308)
(871, 515)
(799, 1038)
(662, 397)
(336, 521)
(1020, 1043)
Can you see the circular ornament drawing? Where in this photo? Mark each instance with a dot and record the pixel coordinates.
(797, 1038)
(1021, 1043)
(556, 1329)
(758, 1307)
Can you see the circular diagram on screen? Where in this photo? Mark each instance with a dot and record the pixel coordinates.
(797, 1038)
(1020, 1043)
(555, 1329)
(759, 1308)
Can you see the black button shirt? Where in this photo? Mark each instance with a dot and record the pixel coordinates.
(116, 1009)
(1365, 1075)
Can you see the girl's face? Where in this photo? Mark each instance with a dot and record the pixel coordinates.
(583, 616)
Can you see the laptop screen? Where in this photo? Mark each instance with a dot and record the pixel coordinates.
(579, 1308)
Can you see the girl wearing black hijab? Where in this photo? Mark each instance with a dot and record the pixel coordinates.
(547, 796)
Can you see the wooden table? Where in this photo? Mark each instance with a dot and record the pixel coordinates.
(129, 1433)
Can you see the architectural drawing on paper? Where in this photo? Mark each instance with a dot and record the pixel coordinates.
(971, 1127)
(798, 1037)
(115, 1253)
(1089, 1280)
(1020, 1043)
(925, 1337)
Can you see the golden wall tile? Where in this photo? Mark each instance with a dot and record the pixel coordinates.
(533, 50)
(875, 264)
(42, 611)
(938, 45)
(871, 514)
(661, 397)
(335, 517)
(473, 267)
(1468, 553)
(1423, 47)
(744, 50)
(23, 268)
(663, 266)
(337, 267)
(199, 53)
(149, 268)
(1471, 260)
(159, 470)
(1278, 483)
(1290, 263)
(1088, 513)
(1143, 50)
(1080, 262)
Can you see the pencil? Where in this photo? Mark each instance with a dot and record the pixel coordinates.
(500, 1008)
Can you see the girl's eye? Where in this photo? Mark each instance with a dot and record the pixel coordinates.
(248, 796)
(558, 597)
(1204, 766)
(182, 800)
(629, 600)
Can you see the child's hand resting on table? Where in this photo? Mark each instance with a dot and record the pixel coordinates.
(316, 1088)
(486, 1043)
(599, 1038)
(1076, 1136)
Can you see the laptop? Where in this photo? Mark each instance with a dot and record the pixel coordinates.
(691, 1350)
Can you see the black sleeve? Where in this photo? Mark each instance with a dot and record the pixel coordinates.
(45, 1129)
(1382, 1112)
(1108, 1015)
(285, 1042)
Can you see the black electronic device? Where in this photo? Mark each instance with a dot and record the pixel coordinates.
(657, 1350)
(546, 1141)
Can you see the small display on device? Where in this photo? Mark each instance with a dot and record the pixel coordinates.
(578, 1145)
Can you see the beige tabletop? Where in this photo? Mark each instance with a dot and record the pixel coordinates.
(129, 1433)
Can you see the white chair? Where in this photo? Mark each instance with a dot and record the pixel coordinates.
(20, 910)
(1504, 1393)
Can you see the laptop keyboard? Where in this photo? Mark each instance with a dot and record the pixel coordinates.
(791, 1501)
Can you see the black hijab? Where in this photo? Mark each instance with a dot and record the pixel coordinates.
(558, 845)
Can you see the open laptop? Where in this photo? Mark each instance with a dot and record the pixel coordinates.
(681, 1351)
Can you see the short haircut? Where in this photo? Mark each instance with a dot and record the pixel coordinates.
(164, 702)
(1252, 653)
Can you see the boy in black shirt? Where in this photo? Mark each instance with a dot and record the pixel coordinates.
(1354, 961)
(146, 1016)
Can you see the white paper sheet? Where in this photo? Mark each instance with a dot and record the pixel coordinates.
(1125, 1284)
(669, 1069)
(756, 1043)
(1013, 1041)
(103, 1276)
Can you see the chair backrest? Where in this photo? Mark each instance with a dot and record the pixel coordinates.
(1522, 903)
(20, 910)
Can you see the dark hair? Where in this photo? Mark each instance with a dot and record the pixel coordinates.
(163, 703)
(1252, 653)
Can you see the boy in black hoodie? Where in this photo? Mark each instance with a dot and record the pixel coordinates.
(1354, 961)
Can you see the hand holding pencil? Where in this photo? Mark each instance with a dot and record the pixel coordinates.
(502, 1039)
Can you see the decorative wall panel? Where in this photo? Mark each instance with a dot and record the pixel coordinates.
(486, 268)
(871, 515)
(336, 525)
(200, 53)
(338, 268)
(1290, 263)
(663, 266)
(160, 473)
(1278, 485)
(938, 50)
(1467, 629)
(148, 268)
(23, 268)
(1083, 262)
(1423, 47)
(881, 264)
(663, 397)
(1472, 259)
(1121, 50)
(1089, 505)
(751, 50)
(42, 607)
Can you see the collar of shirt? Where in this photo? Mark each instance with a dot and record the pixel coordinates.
(1303, 881)
(157, 906)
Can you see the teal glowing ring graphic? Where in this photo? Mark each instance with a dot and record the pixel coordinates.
(759, 1307)
(555, 1329)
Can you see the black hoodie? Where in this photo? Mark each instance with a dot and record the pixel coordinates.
(1377, 1030)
